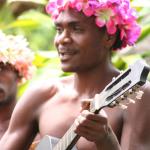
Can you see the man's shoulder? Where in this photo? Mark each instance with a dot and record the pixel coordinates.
(38, 93)
(42, 91)
(146, 87)
(51, 82)
(43, 87)
(48, 87)
(146, 90)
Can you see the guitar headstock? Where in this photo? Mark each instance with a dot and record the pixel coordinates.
(122, 89)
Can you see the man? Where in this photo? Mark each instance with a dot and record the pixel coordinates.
(84, 48)
(13, 69)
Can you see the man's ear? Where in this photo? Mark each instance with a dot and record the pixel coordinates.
(110, 40)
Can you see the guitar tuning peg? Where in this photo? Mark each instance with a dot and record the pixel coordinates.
(130, 100)
(121, 71)
(113, 104)
(139, 94)
(122, 106)
(113, 78)
(130, 91)
(122, 97)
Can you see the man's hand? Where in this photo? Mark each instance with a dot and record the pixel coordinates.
(93, 127)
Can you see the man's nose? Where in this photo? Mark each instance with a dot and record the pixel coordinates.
(65, 37)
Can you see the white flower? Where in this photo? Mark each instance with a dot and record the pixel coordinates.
(15, 51)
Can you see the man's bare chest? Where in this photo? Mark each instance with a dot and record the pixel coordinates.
(136, 126)
(57, 117)
(3, 127)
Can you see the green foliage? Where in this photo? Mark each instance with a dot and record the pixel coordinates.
(145, 32)
(122, 63)
(6, 16)
(34, 24)
(33, 1)
(123, 60)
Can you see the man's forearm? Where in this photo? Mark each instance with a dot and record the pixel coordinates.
(109, 142)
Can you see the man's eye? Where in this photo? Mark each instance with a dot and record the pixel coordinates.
(59, 30)
(77, 29)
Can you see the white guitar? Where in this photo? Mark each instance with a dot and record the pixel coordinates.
(119, 92)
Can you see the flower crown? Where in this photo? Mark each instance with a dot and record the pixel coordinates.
(14, 51)
(115, 15)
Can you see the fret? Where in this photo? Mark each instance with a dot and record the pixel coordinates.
(68, 140)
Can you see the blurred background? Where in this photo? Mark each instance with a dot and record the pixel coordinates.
(28, 18)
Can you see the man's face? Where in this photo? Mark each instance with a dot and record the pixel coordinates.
(80, 43)
(8, 85)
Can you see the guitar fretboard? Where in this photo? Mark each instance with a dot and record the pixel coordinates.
(68, 140)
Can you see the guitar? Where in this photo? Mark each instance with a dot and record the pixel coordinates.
(120, 91)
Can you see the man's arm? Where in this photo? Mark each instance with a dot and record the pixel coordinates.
(109, 141)
(22, 127)
(136, 129)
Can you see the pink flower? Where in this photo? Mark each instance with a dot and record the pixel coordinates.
(114, 14)
(51, 8)
(132, 36)
(102, 16)
(111, 27)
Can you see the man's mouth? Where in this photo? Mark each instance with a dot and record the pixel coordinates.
(66, 55)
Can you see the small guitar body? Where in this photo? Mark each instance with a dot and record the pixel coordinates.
(45, 144)
(48, 143)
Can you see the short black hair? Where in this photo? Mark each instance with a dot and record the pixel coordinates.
(118, 41)
(10, 67)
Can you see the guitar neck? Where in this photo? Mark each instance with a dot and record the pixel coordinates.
(68, 140)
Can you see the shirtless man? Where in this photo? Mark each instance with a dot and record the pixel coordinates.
(10, 75)
(8, 88)
(50, 108)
